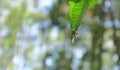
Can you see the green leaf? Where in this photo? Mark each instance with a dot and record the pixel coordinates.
(77, 10)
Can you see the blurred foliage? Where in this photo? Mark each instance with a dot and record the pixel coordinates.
(34, 40)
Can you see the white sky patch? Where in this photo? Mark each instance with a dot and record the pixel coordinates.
(15, 3)
(43, 5)
(19, 62)
(4, 32)
(54, 33)
(46, 5)
(34, 30)
(1, 51)
(5, 12)
(109, 44)
(78, 53)
(107, 4)
(36, 52)
(49, 61)
(108, 24)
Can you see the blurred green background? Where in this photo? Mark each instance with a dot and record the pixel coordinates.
(36, 35)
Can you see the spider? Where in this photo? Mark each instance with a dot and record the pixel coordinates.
(74, 33)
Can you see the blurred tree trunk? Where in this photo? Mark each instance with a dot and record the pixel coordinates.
(97, 30)
(63, 62)
(97, 41)
(116, 43)
(116, 36)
